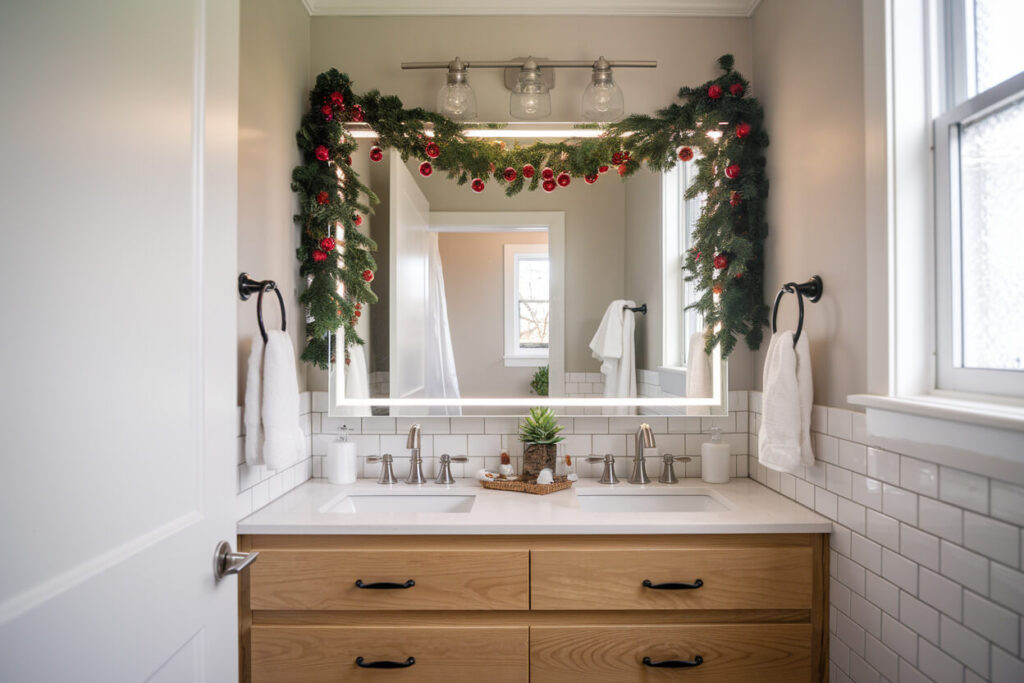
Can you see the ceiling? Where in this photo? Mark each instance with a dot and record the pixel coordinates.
(676, 8)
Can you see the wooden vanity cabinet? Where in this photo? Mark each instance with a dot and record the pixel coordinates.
(514, 609)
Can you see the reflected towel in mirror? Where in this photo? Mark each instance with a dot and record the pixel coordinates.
(698, 374)
(614, 346)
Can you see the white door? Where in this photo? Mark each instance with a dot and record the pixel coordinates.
(410, 221)
(118, 134)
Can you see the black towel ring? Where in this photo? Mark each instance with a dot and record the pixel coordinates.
(812, 289)
(246, 286)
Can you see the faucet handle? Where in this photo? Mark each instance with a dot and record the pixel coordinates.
(387, 473)
(668, 457)
(453, 458)
(608, 475)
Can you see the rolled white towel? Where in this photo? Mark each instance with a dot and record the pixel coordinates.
(784, 440)
(283, 440)
(254, 403)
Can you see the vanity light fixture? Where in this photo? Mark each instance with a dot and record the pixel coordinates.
(530, 81)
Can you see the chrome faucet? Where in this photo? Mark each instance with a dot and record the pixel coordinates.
(444, 475)
(414, 443)
(644, 439)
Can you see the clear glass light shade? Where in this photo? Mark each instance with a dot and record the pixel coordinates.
(603, 101)
(530, 99)
(457, 101)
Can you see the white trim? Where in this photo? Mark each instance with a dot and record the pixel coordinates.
(672, 8)
(981, 411)
(673, 342)
(514, 355)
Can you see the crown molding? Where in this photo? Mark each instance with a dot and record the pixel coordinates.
(661, 8)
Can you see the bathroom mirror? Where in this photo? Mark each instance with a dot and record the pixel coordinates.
(490, 304)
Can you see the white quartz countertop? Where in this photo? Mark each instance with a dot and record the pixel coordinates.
(741, 506)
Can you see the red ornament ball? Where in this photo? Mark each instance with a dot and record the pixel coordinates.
(549, 185)
(739, 275)
(376, 154)
(590, 179)
(721, 262)
(337, 99)
(715, 92)
(736, 90)
(323, 198)
(547, 174)
(528, 170)
(357, 219)
(319, 256)
(359, 306)
(735, 199)
(358, 313)
(433, 150)
(477, 185)
(602, 169)
(717, 289)
(327, 112)
(348, 160)
(510, 174)
(327, 244)
(685, 154)
(564, 179)
(426, 169)
(322, 153)
(732, 171)
(357, 113)
(368, 275)
(742, 130)
(622, 169)
(617, 158)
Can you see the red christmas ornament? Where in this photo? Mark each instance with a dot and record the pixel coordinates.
(357, 113)
(602, 169)
(739, 275)
(721, 262)
(617, 158)
(348, 361)
(426, 169)
(715, 92)
(337, 99)
(732, 171)
(368, 275)
(735, 199)
(549, 185)
(327, 244)
(564, 179)
(477, 185)
(359, 306)
(528, 170)
(319, 256)
(590, 179)
(348, 160)
(376, 154)
(433, 150)
(685, 154)
(357, 219)
(323, 198)
(625, 157)
(742, 130)
(622, 169)
(510, 174)
(358, 313)
(547, 174)
(736, 90)
(717, 289)
(322, 153)
(696, 256)
(327, 112)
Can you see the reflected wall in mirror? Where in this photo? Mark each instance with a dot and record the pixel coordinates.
(489, 304)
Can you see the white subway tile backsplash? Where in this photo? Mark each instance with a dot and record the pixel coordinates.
(1006, 668)
(1008, 587)
(964, 645)
(919, 476)
(941, 593)
(882, 593)
(883, 465)
(840, 423)
(883, 529)
(965, 567)
(920, 547)
(867, 492)
(924, 620)
(964, 489)
(839, 480)
(899, 570)
(939, 666)
(853, 456)
(1008, 502)
(941, 519)
(900, 639)
(997, 540)
(899, 503)
(881, 658)
(996, 623)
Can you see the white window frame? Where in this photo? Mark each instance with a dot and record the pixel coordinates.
(515, 355)
(679, 216)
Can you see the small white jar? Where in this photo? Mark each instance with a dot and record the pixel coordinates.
(715, 459)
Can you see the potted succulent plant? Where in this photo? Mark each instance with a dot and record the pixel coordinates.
(539, 434)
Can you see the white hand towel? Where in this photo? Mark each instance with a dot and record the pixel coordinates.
(614, 346)
(254, 403)
(784, 440)
(698, 374)
(283, 440)
(356, 381)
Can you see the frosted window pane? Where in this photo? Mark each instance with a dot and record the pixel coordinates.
(992, 239)
(534, 318)
(998, 51)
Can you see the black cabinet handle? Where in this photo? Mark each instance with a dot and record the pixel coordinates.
(385, 664)
(673, 663)
(673, 586)
(385, 585)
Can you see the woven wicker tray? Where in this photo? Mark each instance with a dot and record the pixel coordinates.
(559, 484)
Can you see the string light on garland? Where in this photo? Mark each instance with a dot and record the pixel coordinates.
(730, 178)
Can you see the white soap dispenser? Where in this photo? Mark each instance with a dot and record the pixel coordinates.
(715, 459)
(340, 463)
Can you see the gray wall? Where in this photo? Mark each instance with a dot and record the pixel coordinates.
(643, 267)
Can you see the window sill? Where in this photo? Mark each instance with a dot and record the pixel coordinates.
(967, 433)
(525, 361)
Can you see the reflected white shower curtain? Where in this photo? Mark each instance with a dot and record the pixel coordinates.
(442, 380)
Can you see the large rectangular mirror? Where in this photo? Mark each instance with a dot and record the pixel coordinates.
(490, 304)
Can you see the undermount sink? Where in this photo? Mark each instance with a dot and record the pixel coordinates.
(403, 503)
(649, 502)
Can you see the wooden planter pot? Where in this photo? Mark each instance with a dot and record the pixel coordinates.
(537, 456)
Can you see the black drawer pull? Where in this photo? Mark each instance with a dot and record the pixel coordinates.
(674, 663)
(362, 663)
(673, 586)
(384, 584)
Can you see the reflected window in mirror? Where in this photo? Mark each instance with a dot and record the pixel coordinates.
(679, 217)
(527, 305)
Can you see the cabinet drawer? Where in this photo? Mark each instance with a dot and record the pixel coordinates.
(327, 654)
(731, 653)
(773, 577)
(443, 580)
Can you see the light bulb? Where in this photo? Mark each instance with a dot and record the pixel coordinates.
(456, 99)
(530, 99)
(602, 98)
